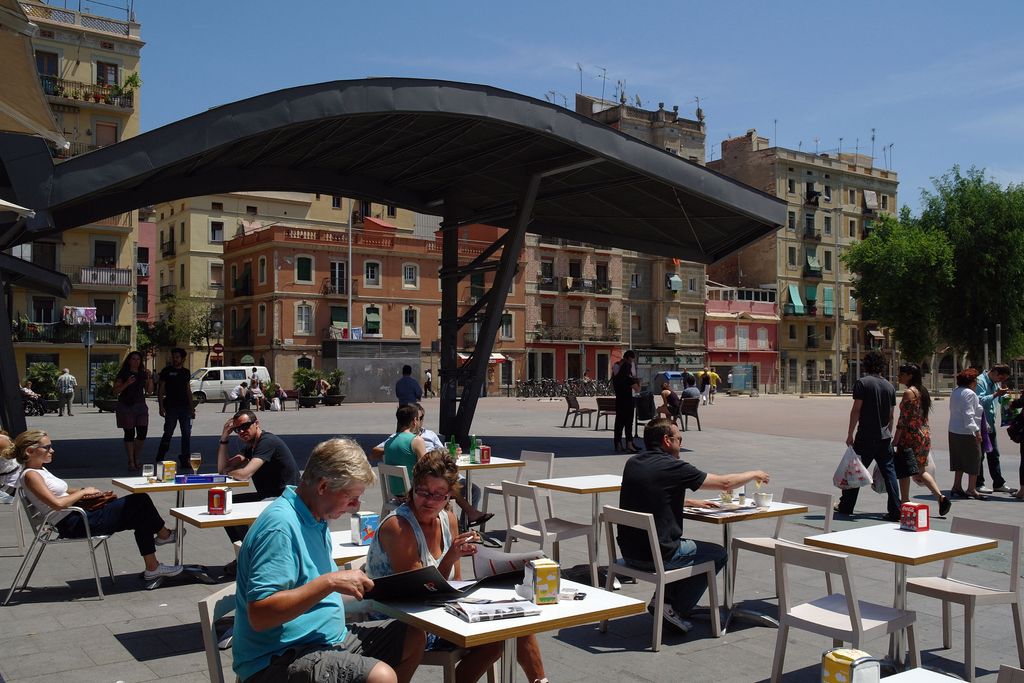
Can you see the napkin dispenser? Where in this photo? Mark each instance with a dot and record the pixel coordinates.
(541, 582)
(364, 526)
(218, 500)
(846, 665)
(914, 517)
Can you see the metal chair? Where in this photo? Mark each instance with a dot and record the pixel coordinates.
(19, 522)
(547, 529)
(547, 459)
(387, 475)
(839, 616)
(765, 545)
(573, 408)
(660, 577)
(46, 534)
(688, 408)
(950, 590)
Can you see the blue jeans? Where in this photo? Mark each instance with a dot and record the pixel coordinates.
(172, 417)
(684, 595)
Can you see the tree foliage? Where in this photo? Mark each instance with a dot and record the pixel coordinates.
(901, 273)
(984, 224)
(192, 322)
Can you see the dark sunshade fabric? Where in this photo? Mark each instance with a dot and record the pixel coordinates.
(454, 149)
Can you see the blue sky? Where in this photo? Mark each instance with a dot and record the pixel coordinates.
(940, 81)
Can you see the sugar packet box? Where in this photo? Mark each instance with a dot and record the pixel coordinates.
(541, 581)
(364, 526)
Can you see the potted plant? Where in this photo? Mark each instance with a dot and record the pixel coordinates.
(44, 382)
(304, 380)
(336, 393)
(131, 83)
(103, 380)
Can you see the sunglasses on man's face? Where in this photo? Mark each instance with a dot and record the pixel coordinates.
(243, 427)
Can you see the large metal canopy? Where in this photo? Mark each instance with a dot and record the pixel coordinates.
(471, 153)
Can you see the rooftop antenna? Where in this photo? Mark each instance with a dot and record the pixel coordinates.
(872, 147)
(816, 145)
(639, 102)
(579, 67)
(890, 155)
(775, 132)
(840, 148)
(620, 91)
(799, 145)
(604, 80)
(700, 112)
(856, 149)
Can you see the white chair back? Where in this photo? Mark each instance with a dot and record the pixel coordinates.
(512, 493)
(810, 499)
(1002, 532)
(819, 560)
(388, 474)
(212, 608)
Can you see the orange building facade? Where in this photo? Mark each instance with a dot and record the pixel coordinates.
(287, 291)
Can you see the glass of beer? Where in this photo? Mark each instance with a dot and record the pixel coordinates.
(195, 460)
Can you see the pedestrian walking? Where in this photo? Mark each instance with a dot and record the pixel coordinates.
(132, 383)
(624, 382)
(428, 383)
(174, 396)
(407, 389)
(66, 384)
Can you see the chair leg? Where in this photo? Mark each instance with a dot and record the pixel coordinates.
(1015, 611)
(566, 420)
(716, 624)
(592, 554)
(554, 551)
(947, 625)
(780, 652)
(110, 565)
(659, 614)
(915, 655)
(968, 642)
(28, 577)
(17, 576)
(483, 507)
(733, 556)
(697, 418)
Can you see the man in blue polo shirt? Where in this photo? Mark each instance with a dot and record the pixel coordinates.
(289, 615)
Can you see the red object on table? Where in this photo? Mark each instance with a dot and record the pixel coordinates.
(914, 517)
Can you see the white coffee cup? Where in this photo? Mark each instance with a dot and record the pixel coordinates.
(763, 499)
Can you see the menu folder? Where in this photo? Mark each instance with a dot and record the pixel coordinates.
(424, 583)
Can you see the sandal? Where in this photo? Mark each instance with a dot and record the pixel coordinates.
(975, 495)
(482, 519)
(958, 493)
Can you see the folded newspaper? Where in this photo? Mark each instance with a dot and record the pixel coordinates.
(473, 611)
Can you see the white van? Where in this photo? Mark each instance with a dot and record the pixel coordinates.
(213, 383)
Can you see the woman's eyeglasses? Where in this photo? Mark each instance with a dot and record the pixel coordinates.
(47, 447)
(427, 495)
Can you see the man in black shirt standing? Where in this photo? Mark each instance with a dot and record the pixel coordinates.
(656, 481)
(174, 396)
(264, 459)
(874, 402)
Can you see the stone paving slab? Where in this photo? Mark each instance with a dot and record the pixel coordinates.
(57, 631)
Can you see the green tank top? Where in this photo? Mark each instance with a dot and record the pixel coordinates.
(398, 451)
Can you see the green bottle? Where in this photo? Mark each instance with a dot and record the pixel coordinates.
(453, 447)
(474, 450)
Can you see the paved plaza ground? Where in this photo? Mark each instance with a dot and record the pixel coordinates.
(135, 635)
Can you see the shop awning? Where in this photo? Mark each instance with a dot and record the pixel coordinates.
(827, 300)
(811, 293)
(876, 334)
(812, 261)
(794, 299)
(871, 199)
(495, 357)
(672, 325)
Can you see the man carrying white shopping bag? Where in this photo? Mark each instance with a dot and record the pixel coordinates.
(874, 403)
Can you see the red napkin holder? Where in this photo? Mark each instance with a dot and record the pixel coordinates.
(914, 517)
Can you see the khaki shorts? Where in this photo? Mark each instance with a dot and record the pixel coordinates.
(350, 661)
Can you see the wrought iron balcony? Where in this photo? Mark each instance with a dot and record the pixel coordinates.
(810, 272)
(87, 92)
(547, 284)
(167, 248)
(167, 292)
(60, 333)
(243, 286)
(812, 234)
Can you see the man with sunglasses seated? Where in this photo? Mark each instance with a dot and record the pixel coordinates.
(264, 459)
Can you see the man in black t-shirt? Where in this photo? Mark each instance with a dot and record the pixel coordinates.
(174, 396)
(874, 402)
(656, 481)
(264, 459)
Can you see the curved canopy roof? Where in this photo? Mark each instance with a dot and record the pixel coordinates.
(454, 149)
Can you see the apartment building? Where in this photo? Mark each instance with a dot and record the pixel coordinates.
(88, 66)
(289, 289)
(743, 335)
(833, 200)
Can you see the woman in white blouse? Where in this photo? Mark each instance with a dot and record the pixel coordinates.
(965, 434)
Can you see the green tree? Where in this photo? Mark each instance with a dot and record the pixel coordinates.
(901, 274)
(984, 224)
(192, 322)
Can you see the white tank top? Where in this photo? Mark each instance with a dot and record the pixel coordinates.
(58, 487)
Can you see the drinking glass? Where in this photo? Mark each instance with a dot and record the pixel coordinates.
(196, 460)
(148, 472)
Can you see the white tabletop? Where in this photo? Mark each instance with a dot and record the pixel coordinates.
(596, 606)
(592, 483)
(743, 514)
(889, 542)
(343, 550)
(241, 513)
(919, 676)
(142, 485)
(465, 464)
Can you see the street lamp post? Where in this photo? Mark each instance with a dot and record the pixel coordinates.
(88, 339)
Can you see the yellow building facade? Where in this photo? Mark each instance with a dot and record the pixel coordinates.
(88, 68)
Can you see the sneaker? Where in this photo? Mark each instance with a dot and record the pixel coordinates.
(673, 618)
(163, 570)
(170, 539)
(944, 505)
(984, 489)
(1003, 489)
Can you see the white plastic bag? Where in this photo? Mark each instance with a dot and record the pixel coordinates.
(275, 405)
(851, 473)
(877, 480)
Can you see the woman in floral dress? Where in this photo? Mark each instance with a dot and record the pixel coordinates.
(912, 440)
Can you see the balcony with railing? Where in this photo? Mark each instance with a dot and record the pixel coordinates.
(333, 286)
(811, 197)
(602, 287)
(577, 285)
(547, 284)
(575, 333)
(86, 93)
(811, 271)
(167, 292)
(60, 333)
(242, 286)
(101, 277)
(812, 235)
(167, 248)
(812, 342)
(142, 270)
(240, 336)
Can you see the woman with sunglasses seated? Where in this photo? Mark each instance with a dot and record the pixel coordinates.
(422, 532)
(33, 450)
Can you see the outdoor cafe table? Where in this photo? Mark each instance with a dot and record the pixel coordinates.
(726, 518)
(598, 605)
(903, 548)
(142, 485)
(589, 485)
(343, 550)
(496, 463)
